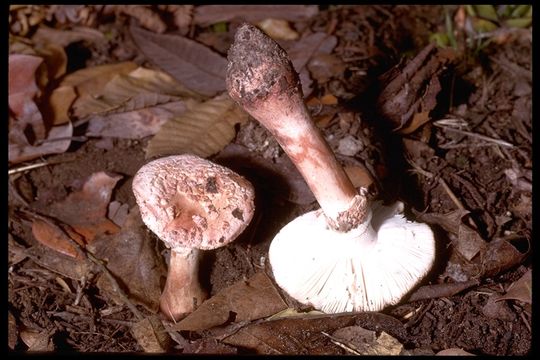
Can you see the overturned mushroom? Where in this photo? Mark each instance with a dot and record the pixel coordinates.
(350, 255)
(191, 204)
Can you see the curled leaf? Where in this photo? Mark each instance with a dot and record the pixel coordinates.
(520, 290)
(57, 141)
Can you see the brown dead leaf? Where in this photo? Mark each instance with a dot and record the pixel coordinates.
(449, 222)
(359, 176)
(118, 212)
(55, 58)
(191, 63)
(498, 256)
(208, 346)
(498, 310)
(147, 17)
(65, 37)
(301, 51)
(292, 336)
(303, 335)
(22, 89)
(89, 82)
(413, 88)
(325, 66)
(57, 141)
(39, 341)
(55, 237)
(141, 88)
(86, 210)
(204, 129)
(366, 342)
(64, 265)
(131, 257)
(277, 29)
(468, 243)
(210, 14)
(13, 331)
(246, 300)
(135, 124)
(151, 335)
(418, 120)
(520, 290)
(454, 352)
(22, 80)
(58, 104)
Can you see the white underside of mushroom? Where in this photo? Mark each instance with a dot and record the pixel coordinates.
(365, 269)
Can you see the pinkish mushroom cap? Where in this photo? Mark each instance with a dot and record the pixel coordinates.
(189, 202)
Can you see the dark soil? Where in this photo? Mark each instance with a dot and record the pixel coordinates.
(490, 92)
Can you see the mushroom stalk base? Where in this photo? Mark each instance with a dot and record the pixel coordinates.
(182, 293)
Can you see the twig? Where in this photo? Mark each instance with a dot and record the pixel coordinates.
(475, 135)
(416, 168)
(414, 320)
(451, 194)
(80, 288)
(441, 290)
(71, 138)
(522, 315)
(35, 166)
(27, 167)
(341, 344)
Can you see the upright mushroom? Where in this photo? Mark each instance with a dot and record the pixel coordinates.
(350, 255)
(191, 204)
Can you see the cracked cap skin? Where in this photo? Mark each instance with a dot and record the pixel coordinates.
(189, 202)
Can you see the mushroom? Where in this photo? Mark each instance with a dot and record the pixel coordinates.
(191, 204)
(350, 255)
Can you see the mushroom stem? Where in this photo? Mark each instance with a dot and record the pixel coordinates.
(261, 79)
(182, 293)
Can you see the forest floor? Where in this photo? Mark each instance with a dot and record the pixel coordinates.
(460, 159)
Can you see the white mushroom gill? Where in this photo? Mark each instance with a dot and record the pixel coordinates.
(364, 269)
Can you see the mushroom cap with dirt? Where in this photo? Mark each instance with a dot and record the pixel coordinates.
(191, 204)
(350, 255)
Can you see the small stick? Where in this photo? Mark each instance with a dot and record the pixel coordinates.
(27, 167)
(478, 136)
(450, 193)
(341, 344)
(35, 166)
